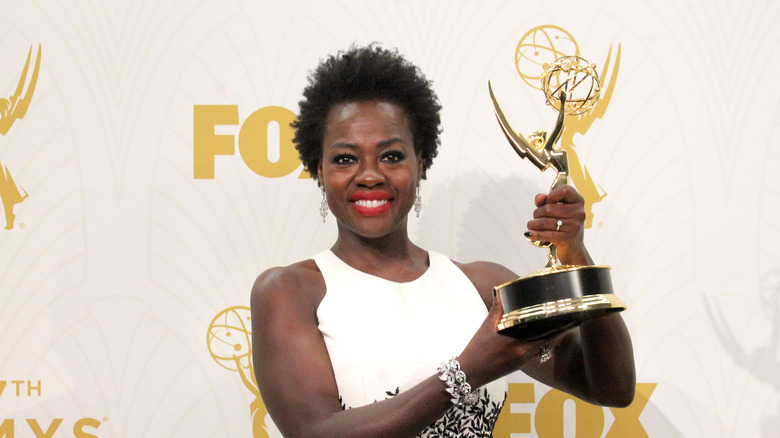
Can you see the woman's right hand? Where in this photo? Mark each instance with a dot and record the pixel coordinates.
(490, 355)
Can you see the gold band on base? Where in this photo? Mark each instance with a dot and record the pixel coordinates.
(580, 308)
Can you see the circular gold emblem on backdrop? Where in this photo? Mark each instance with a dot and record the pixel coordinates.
(229, 338)
(539, 48)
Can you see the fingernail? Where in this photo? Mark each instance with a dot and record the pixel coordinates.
(527, 234)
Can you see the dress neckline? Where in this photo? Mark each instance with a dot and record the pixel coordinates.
(430, 255)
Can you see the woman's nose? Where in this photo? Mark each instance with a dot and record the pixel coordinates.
(369, 174)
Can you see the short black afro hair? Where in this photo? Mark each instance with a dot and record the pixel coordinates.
(367, 73)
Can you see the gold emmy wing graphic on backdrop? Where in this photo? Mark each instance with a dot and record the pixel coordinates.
(229, 341)
(535, 52)
(12, 109)
(557, 297)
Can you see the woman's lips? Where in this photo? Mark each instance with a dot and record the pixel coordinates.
(370, 203)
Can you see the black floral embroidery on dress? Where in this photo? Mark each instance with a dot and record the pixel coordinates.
(475, 421)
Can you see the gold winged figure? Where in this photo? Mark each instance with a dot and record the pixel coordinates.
(12, 109)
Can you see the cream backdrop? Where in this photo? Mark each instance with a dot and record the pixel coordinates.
(119, 259)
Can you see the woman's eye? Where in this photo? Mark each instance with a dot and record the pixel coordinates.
(343, 159)
(393, 156)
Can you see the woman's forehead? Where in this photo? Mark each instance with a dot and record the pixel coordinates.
(366, 118)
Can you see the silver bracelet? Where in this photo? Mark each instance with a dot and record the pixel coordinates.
(451, 374)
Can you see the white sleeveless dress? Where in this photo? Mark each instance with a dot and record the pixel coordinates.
(384, 337)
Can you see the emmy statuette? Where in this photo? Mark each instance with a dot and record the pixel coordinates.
(557, 297)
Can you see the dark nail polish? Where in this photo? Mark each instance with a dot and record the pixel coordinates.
(527, 234)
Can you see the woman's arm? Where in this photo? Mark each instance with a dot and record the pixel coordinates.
(594, 361)
(296, 378)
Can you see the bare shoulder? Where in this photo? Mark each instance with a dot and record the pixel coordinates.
(485, 275)
(299, 285)
(285, 330)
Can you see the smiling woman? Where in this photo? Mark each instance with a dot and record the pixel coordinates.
(346, 344)
(369, 170)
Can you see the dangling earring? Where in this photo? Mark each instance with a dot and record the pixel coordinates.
(323, 205)
(418, 201)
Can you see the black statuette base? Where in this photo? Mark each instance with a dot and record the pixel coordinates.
(555, 300)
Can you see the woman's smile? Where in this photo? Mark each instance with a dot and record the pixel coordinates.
(373, 203)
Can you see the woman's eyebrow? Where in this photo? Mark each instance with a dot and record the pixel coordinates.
(381, 144)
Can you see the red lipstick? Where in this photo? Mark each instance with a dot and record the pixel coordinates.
(373, 203)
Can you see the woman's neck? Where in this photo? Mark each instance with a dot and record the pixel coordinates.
(393, 258)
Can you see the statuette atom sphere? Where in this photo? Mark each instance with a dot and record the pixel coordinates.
(577, 78)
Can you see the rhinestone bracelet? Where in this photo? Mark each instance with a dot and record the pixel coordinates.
(451, 374)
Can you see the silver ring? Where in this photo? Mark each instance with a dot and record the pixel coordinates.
(558, 225)
(545, 355)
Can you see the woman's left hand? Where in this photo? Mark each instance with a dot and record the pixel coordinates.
(559, 218)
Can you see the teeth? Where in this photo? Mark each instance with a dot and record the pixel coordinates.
(371, 204)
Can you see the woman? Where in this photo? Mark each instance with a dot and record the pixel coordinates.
(370, 338)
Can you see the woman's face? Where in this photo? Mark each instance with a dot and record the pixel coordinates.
(369, 167)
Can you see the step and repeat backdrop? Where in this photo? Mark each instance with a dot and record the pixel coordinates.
(148, 177)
